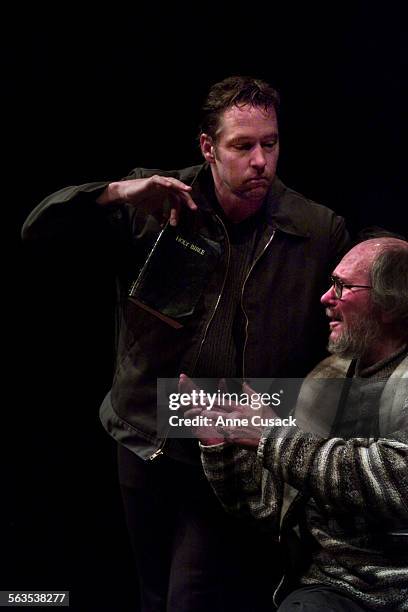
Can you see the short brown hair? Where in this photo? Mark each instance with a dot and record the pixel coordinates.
(235, 91)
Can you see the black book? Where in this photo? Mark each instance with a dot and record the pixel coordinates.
(175, 274)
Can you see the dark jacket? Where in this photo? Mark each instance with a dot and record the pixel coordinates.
(285, 331)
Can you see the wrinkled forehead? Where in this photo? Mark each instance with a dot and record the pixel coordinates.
(357, 263)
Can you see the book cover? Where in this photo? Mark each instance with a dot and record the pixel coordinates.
(175, 274)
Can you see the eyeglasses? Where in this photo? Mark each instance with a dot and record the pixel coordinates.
(338, 286)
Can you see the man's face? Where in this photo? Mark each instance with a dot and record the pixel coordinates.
(244, 155)
(355, 327)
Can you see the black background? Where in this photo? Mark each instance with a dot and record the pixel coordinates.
(89, 96)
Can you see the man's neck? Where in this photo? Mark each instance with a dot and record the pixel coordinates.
(237, 209)
(383, 350)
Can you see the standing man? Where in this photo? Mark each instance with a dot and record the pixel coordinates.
(249, 258)
(347, 475)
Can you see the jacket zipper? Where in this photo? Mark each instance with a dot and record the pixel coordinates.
(242, 300)
(220, 294)
(159, 451)
(275, 593)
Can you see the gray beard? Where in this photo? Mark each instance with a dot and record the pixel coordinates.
(356, 340)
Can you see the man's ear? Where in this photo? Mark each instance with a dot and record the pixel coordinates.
(207, 148)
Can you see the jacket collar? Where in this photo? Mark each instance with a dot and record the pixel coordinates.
(285, 209)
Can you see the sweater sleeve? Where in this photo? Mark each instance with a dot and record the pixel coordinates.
(359, 474)
(242, 485)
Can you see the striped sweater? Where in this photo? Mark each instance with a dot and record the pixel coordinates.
(351, 493)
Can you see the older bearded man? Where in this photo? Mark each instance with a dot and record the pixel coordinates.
(344, 489)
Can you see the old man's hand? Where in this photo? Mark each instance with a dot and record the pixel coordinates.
(228, 421)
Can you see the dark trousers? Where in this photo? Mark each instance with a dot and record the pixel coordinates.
(318, 598)
(190, 555)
